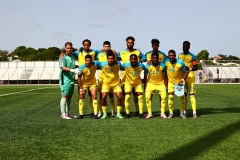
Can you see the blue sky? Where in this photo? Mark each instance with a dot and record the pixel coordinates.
(211, 25)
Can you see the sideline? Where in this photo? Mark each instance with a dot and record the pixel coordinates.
(1, 95)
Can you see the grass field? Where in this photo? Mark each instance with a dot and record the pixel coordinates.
(31, 128)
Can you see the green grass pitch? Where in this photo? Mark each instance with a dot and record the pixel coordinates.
(31, 128)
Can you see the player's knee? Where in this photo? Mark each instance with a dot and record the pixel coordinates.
(104, 97)
(94, 97)
(119, 97)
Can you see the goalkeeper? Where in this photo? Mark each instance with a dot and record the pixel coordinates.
(67, 79)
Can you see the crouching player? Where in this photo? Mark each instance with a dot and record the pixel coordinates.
(111, 81)
(133, 81)
(87, 82)
(157, 80)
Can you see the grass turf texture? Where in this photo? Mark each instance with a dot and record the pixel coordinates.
(31, 128)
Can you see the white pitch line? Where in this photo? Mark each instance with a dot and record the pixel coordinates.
(1, 95)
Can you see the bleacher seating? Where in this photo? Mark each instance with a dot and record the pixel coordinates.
(49, 70)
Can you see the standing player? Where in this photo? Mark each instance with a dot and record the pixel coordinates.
(67, 79)
(177, 72)
(123, 56)
(157, 80)
(102, 57)
(81, 61)
(111, 81)
(133, 81)
(155, 46)
(191, 62)
(162, 55)
(87, 82)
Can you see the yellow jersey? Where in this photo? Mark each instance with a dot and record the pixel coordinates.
(133, 73)
(88, 73)
(110, 74)
(162, 56)
(124, 55)
(176, 71)
(156, 73)
(189, 60)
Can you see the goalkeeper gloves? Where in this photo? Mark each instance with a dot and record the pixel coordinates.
(76, 71)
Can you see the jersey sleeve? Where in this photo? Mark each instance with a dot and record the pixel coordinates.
(164, 68)
(194, 59)
(142, 57)
(62, 62)
(99, 65)
(118, 56)
(183, 66)
(75, 54)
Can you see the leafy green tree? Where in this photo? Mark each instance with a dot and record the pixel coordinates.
(18, 50)
(203, 55)
(3, 55)
(29, 54)
(224, 57)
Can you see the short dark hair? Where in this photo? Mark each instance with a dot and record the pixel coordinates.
(172, 51)
(87, 40)
(155, 54)
(133, 55)
(131, 38)
(187, 43)
(155, 41)
(68, 43)
(88, 56)
(110, 54)
(106, 43)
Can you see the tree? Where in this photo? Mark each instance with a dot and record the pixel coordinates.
(231, 57)
(18, 50)
(3, 55)
(29, 54)
(203, 55)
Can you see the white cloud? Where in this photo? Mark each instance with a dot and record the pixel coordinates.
(122, 6)
(37, 25)
(61, 36)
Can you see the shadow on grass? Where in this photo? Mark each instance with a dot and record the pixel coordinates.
(204, 111)
(191, 150)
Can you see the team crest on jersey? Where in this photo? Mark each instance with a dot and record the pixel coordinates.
(172, 69)
(134, 73)
(154, 72)
(61, 64)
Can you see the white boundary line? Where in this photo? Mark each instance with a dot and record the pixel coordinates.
(1, 95)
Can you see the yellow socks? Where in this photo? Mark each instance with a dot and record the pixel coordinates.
(140, 103)
(127, 98)
(163, 103)
(104, 108)
(119, 109)
(193, 102)
(182, 104)
(80, 106)
(170, 103)
(149, 103)
(95, 106)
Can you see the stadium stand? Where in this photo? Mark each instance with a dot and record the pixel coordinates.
(229, 71)
(48, 72)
